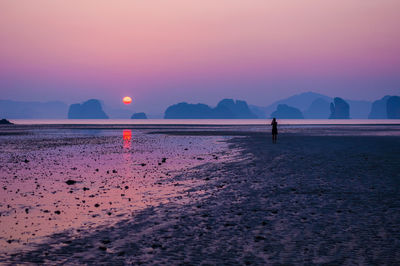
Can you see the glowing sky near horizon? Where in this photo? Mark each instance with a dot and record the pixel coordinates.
(161, 52)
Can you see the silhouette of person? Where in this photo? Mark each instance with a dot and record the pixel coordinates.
(274, 130)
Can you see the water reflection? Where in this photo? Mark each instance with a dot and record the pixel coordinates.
(127, 137)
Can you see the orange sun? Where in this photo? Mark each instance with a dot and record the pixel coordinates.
(127, 100)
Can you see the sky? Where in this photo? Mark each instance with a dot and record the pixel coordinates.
(161, 52)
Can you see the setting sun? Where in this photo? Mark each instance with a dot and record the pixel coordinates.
(127, 100)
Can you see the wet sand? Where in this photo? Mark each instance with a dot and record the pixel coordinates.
(321, 195)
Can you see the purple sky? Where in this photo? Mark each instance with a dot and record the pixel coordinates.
(163, 52)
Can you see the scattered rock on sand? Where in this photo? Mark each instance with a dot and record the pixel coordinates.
(70, 182)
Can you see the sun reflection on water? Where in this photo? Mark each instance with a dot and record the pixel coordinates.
(127, 137)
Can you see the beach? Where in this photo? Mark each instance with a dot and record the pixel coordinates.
(190, 194)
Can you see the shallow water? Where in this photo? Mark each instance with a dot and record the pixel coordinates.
(117, 172)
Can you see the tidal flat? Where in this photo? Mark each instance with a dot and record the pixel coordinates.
(200, 194)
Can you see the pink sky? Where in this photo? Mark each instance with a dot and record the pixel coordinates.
(161, 52)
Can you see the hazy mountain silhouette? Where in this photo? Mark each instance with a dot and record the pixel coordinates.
(117, 113)
(226, 109)
(300, 101)
(284, 111)
(258, 111)
(186, 111)
(303, 101)
(359, 109)
(139, 116)
(90, 109)
(378, 109)
(319, 109)
(340, 109)
(33, 110)
(393, 107)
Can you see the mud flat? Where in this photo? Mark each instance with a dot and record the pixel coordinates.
(328, 194)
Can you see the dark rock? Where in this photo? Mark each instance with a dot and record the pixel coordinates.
(393, 107)
(259, 238)
(164, 160)
(156, 245)
(97, 205)
(5, 122)
(70, 182)
(139, 116)
(378, 109)
(90, 109)
(85, 189)
(340, 109)
(284, 111)
(57, 212)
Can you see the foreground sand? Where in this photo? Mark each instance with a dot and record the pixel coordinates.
(321, 195)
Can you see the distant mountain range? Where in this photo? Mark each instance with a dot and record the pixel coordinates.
(314, 106)
(308, 105)
(226, 109)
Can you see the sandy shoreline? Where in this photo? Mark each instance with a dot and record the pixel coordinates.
(321, 195)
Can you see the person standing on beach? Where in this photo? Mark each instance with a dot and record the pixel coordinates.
(274, 130)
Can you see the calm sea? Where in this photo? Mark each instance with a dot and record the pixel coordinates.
(204, 121)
